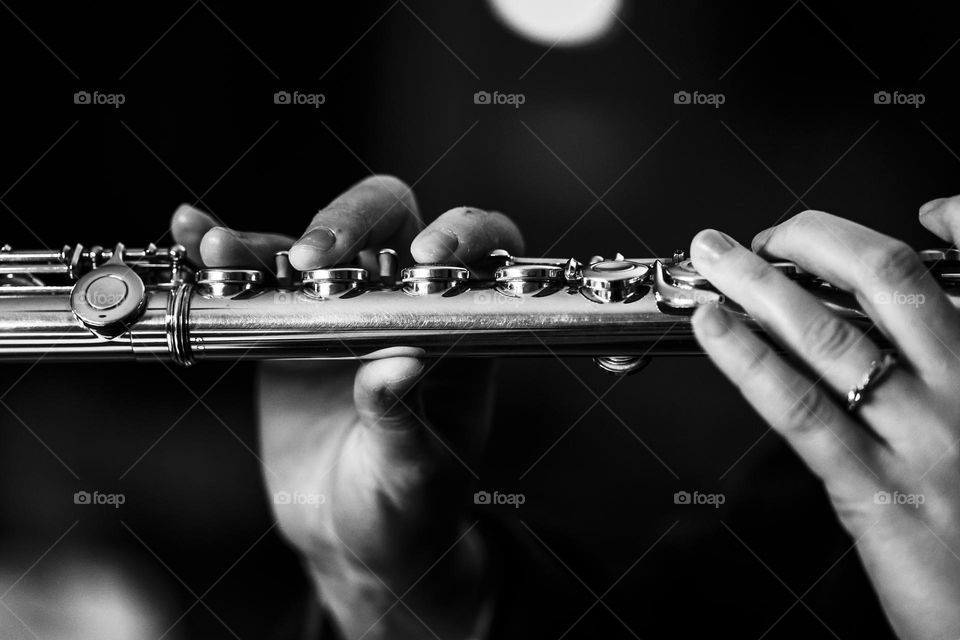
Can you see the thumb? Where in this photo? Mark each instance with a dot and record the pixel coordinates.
(383, 394)
(942, 217)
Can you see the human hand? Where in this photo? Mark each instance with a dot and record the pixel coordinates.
(892, 469)
(369, 484)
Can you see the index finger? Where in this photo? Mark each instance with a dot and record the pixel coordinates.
(367, 215)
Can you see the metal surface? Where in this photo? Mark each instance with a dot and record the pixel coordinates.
(618, 312)
(333, 282)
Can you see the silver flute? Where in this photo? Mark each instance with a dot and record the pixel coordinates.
(86, 304)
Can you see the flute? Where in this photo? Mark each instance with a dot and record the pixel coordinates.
(85, 304)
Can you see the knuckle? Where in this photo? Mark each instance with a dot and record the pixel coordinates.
(472, 215)
(757, 368)
(806, 219)
(807, 412)
(389, 183)
(756, 271)
(470, 220)
(894, 263)
(827, 337)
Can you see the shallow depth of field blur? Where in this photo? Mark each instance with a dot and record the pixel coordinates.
(600, 126)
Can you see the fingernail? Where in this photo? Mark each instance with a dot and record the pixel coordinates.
(321, 238)
(712, 320)
(227, 231)
(308, 252)
(440, 244)
(930, 206)
(710, 244)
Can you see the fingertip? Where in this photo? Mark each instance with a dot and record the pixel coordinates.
(395, 375)
(707, 247)
(218, 247)
(313, 249)
(188, 225)
(188, 218)
(465, 234)
(710, 321)
(930, 207)
(434, 245)
(941, 217)
(697, 241)
(760, 240)
(379, 391)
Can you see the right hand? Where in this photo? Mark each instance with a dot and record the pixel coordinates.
(386, 487)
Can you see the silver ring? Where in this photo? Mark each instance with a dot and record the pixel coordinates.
(874, 376)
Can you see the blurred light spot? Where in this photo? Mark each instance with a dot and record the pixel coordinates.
(558, 22)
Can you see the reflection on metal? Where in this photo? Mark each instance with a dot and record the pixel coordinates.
(80, 304)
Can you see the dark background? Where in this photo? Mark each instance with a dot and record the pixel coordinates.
(799, 129)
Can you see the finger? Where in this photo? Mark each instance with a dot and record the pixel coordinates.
(836, 449)
(371, 214)
(887, 276)
(393, 434)
(465, 234)
(223, 247)
(942, 217)
(831, 346)
(188, 226)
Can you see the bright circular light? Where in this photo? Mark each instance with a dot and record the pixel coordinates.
(560, 22)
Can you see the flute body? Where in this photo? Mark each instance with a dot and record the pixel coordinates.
(148, 304)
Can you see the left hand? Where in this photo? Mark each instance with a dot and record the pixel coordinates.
(892, 468)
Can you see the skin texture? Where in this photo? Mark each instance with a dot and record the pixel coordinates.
(892, 469)
(364, 483)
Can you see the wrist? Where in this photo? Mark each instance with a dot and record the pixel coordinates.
(448, 592)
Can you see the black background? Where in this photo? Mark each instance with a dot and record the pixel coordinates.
(799, 129)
